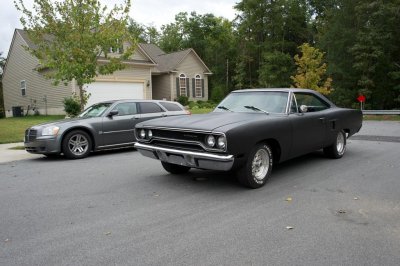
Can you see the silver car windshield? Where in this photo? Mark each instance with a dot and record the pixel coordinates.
(255, 101)
(95, 110)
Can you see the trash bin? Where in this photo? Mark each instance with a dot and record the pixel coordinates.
(17, 111)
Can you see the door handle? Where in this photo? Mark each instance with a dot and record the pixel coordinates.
(322, 119)
(135, 117)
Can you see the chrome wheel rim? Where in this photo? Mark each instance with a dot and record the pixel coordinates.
(260, 164)
(340, 143)
(78, 144)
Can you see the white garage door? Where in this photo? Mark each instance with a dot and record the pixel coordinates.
(104, 91)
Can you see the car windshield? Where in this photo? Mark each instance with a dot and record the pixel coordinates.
(254, 101)
(95, 110)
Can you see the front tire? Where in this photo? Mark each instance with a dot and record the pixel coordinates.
(257, 170)
(76, 144)
(338, 148)
(174, 168)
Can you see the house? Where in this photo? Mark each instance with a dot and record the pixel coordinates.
(150, 73)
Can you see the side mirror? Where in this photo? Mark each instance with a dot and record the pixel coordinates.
(303, 108)
(112, 113)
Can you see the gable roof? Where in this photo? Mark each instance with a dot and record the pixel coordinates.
(164, 62)
(149, 61)
(169, 62)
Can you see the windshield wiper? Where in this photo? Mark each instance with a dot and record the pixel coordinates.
(256, 109)
(224, 108)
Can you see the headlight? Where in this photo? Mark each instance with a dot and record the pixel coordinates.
(221, 142)
(142, 134)
(210, 141)
(50, 131)
(150, 134)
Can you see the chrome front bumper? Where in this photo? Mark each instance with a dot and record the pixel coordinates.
(187, 158)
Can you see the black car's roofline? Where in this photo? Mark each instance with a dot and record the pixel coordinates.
(287, 90)
(274, 89)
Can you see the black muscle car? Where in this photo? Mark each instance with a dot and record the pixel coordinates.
(249, 132)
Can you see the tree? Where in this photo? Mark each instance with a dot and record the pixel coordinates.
(311, 70)
(377, 52)
(70, 35)
(267, 31)
(276, 70)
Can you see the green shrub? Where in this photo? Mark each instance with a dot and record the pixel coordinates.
(72, 106)
(184, 100)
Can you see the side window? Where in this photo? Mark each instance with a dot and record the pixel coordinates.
(171, 106)
(126, 109)
(314, 104)
(23, 87)
(146, 108)
(293, 105)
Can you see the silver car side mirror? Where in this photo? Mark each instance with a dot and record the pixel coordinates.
(112, 113)
(303, 108)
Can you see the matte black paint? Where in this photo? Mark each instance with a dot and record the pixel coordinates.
(291, 134)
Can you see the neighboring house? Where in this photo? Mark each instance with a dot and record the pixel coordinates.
(150, 73)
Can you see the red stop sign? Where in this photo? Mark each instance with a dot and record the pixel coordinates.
(361, 98)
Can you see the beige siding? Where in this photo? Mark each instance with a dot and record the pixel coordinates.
(21, 66)
(191, 66)
(162, 87)
(137, 55)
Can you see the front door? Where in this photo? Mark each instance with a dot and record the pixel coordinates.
(119, 129)
(309, 127)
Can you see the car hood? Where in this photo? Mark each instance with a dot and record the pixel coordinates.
(207, 122)
(61, 122)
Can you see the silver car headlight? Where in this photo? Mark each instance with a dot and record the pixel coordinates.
(221, 142)
(150, 134)
(50, 131)
(210, 141)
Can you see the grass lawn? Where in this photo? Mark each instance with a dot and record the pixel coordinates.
(201, 111)
(13, 129)
(382, 117)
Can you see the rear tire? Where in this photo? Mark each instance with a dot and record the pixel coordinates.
(257, 170)
(338, 148)
(76, 144)
(174, 168)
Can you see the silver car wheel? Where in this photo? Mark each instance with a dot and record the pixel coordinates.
(260, 164)
(78, 144)
(340, 143)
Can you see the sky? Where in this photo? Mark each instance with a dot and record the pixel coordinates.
(147, 12)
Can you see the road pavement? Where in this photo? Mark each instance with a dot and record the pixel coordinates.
(120, 208)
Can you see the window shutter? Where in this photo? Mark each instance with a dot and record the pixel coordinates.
(188, 87)
(202, 88)
(194, 87)
(177, 88)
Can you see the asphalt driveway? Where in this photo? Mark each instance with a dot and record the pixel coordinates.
(119, 208)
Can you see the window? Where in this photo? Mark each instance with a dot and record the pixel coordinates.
(197, 87)
(149, 107)
(293, 106)
(182, 85)
(312, 102)
(126, 109)
(118, 48)
(23, 87)
(171, 106)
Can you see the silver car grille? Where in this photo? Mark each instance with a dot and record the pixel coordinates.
(30, 135)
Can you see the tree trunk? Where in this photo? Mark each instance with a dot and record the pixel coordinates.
(81, 97)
